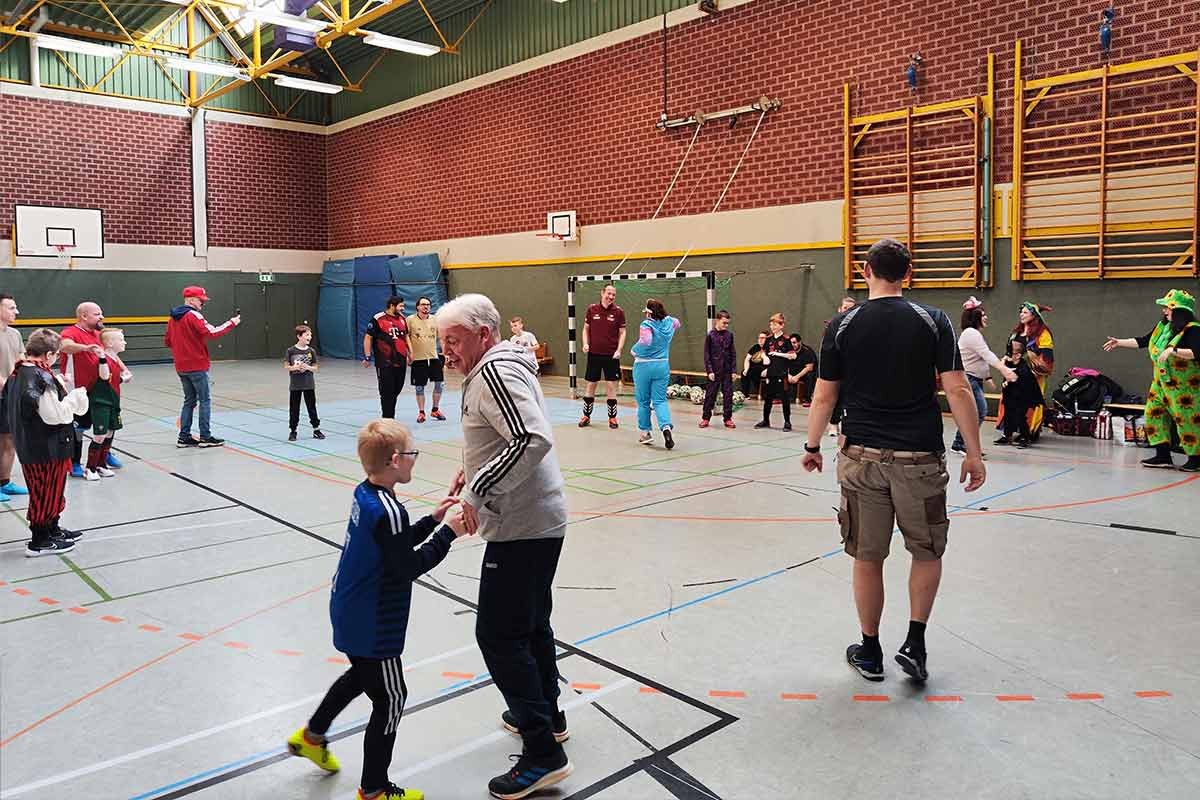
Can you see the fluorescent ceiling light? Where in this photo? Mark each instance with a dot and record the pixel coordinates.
(77, 46)
(403, 45)
(207, 67)
(287, 81)
(273, 17)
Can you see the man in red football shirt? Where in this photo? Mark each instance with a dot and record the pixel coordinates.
(80, 363)
(387, 338)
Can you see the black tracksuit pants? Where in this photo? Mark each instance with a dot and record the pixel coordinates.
(776, 389)
(514, 634)
(391, 384)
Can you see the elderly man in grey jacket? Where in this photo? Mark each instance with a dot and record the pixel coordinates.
(513, 497)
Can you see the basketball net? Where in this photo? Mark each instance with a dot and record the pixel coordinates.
(64, 255)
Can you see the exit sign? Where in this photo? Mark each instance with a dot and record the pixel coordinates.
(266, 277)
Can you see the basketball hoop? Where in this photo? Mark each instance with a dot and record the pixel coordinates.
(552, 235)
(63, 252)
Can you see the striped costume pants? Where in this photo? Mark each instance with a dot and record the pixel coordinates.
(382, 680)
(47, 482)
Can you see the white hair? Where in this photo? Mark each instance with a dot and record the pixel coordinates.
(471, 311)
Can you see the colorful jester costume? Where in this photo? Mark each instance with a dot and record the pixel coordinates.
(1174, 394)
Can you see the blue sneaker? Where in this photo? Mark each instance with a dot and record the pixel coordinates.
(114, 462)
(13, 488)
(530, 775)
(76, 470)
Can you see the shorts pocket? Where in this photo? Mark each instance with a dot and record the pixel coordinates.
(847, 521)
(935, 509)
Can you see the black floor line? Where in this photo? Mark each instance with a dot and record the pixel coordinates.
(1143, 530)
(155, 519)
(660, 502)
(590, 588)
(802, 563)
(709, 583)
(723, 718)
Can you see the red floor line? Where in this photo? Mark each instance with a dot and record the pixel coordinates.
(720, 693)
(1015, 698)
(1153, 694)
(1084, 696)
(871, 698)
(943, 698)
(110, 618)
(787, 696)
(586, 686)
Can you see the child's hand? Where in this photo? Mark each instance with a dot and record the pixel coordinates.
(458, 523)
(447, 503)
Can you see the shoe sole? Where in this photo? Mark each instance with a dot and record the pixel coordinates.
(912, 668)
(184, 446)
(668, 440)
(1160, 466)
(646, 441)
(874, 677)
(559, 736)
(39, 553)
(210, 444)
(549, 779)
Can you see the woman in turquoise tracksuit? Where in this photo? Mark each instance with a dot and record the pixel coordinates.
(652, 370)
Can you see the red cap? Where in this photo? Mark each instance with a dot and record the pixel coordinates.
(195, 291)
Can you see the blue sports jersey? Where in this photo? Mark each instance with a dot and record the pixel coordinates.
(372, 588)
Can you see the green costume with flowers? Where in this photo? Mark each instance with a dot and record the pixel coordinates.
(1174, 394)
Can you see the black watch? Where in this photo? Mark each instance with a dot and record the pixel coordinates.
(812, 450)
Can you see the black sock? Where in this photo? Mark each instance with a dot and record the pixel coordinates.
(916, 637)
(612, 409)
(588, 402)
(870, 647)
(5, 482)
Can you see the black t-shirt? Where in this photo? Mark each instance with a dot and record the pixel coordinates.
(886, 353)
(804, 356)
(778, 367)
(301, 380)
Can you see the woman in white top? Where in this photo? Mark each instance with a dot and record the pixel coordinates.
(977, 360)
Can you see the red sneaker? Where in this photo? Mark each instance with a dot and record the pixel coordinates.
(703, 423)
(437, 415)
(729, 424)
(584, 421)
(612, 423)
(421, 416)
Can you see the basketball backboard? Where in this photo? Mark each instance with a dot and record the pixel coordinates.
(43, 230)
(562, 225)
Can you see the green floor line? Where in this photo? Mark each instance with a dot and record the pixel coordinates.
(83, 576)
(211, 578)
(31, 616)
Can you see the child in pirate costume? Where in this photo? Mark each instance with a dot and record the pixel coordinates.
(105, 400)
(1174, 396)
(41, 414)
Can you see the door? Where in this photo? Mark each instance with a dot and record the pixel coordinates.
(281, 319)
(250, 338)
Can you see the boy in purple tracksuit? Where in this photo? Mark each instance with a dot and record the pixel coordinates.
(720, 362)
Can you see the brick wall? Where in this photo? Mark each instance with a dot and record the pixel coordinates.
(580, 134)
(133, 165)
(266, 187)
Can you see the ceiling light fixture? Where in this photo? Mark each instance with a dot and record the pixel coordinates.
(403, 45)
(288, 82)
(207, 67)
(272, 17)
(77, 46)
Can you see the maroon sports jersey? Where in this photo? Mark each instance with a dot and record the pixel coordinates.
(604, 328)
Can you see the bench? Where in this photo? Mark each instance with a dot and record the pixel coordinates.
(544, 359)
(992, 398)
(1125, 409)
(685, 377)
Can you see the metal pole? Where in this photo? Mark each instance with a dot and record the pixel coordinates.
(571, 368)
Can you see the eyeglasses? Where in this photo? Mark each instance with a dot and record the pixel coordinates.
(413, 453)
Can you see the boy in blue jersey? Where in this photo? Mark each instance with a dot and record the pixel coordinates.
(372, 591)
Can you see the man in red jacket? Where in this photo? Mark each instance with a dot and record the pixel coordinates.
(187, 336)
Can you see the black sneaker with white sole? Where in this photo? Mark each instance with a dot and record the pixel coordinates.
(668, 439)
(186, 442)
(48, 547)
(531, 774)
(210, 441)
(558, 725)
(71, 536)
(913, 663)
(869, 668)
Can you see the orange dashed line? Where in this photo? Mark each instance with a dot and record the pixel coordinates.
(586, 685)
(871, 698)
(79, 610)
(336, 660)
(22, 592)
(1153, 694)
(465, 675)
(237, 645)
(3, 583)
(48, 601)
(786, 696)
(719, 693)
(649, 690)
(288, 653)
(108, 618)
(1015, 698)
(1084, 696)
(942, 698)
(150, 628)
(191, 637)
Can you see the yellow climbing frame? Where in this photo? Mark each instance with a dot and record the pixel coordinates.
(1106, 170)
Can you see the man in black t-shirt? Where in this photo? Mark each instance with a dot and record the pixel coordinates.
(803, 371)
(882, 358)
(387, 339)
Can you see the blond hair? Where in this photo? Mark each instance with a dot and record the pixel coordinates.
(378, 440)
(778, 317)
(109, 333)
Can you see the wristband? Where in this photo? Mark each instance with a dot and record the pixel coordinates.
(103, 360)
(811, 450)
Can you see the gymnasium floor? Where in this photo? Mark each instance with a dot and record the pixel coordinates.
(702, 604)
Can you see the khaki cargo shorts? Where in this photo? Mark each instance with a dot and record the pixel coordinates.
(885, 488)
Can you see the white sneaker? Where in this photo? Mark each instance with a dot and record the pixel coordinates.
(90, 475)
(105, 472)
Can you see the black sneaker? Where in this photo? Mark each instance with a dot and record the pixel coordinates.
(869, 668)
(958, 448)
(762, 424)
(558, 726)
(1191, 465)
(62, 533)
(530, 774)
(1003, 440)
(291, 436)
(1160, 461)
(210, 441)
(49, 547)
(1022, 443)
(186, 442)
(317, 434)
(787, 426)
(913, 663)
(668, 440)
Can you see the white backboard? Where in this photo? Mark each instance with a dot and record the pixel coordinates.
(39, 228)
(561, 223)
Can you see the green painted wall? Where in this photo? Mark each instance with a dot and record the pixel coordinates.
(1085, 311)
(268, 313)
